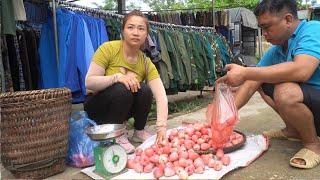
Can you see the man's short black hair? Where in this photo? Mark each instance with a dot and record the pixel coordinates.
(276, 6)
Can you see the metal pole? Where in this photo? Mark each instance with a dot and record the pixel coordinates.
(213, 14)
(260, 43)
(55, 32)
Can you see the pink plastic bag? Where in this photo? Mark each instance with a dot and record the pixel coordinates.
(222, 114)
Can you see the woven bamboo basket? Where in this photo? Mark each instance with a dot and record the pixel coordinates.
(34, 132)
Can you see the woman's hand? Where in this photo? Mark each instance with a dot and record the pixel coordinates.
(129, 79)
(161, 137)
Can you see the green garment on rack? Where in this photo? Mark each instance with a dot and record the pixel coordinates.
(218, 59)
(199, 61)
(8, 25)
(204, 57)
(165, 68)
(189, 45)
(179, 59)
(211, 56)
(113, 29)
(172, 55)
(184, 57)
(225, 56)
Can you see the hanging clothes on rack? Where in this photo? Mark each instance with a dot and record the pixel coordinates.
(150, 48)
(36, 12)
(23, 59)
(165, 68)
(31, 37)
(7, 85)
(19, 49)
(97, 30)
(7, 13)
(19, 11)
(14, 65)
(48, 64)
(181, 69)
(186, 57)
(189, 17)
(182, 53)
(113, 28)
(79, 36)
(2, 76)
(26, 66)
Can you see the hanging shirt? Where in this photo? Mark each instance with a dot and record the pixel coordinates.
(92, 27)
(75, 53)
(102, 32)
(97, 30)
(23, 52)
(33, 56)
(36, 12)
(2, 77)
(165, 63)
(48, 62)
(19, 11)
(8, 23)
(80, 54)
(304, 40)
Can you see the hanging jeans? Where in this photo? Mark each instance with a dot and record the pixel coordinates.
(116, 104)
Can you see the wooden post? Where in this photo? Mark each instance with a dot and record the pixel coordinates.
(121, 6)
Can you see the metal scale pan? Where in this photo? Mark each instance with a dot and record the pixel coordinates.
(105, 131)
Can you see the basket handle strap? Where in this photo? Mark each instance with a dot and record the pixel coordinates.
(35, 165)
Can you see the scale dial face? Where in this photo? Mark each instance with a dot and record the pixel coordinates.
(114, 158)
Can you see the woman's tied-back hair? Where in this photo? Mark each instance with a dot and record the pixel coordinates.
(134, 13)
(277, 6)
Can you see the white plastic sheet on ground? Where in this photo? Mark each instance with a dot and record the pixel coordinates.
(254, 147)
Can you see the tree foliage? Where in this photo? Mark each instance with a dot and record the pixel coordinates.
(108, 5)
(305, 5)
(201, 4)
(112, 5)
(158, 5)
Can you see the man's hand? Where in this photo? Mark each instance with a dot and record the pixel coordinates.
(235, 75)
(129, 79)
(161, 137)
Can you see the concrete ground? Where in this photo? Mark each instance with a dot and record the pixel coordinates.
(255, 117)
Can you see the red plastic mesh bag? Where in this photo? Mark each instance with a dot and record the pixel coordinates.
(222, 114)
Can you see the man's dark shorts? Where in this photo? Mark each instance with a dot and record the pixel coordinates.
(311, 98)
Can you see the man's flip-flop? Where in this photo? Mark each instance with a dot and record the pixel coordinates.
(278, 134)
(311, 159)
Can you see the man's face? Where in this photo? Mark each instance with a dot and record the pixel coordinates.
(274, 28)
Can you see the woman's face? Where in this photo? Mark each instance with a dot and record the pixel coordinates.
(135, 31)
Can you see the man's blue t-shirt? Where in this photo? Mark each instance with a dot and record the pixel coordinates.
(304, 40)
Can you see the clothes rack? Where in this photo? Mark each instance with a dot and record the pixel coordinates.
(88, 9)
(183, 9)
(181, 26)
(191, 35)
(103, 12)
